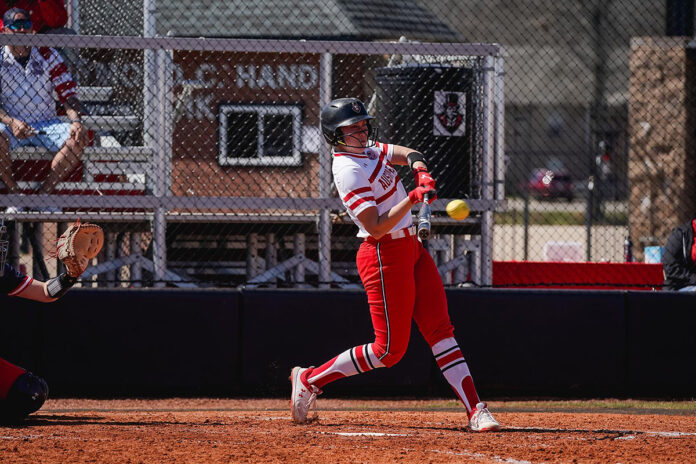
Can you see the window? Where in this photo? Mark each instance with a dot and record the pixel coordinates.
(260, 135)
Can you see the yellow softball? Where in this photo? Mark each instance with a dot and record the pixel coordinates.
(457, 209)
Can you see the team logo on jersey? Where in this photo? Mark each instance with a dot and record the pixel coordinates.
(371, 154)
(449, 113)
(356, 107)
(387, 177)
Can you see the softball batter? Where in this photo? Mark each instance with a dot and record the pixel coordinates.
(400, 277)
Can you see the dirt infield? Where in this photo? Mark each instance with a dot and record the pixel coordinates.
(215, 430)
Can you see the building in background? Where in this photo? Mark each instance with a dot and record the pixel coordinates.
(566, 78)
(245, 110)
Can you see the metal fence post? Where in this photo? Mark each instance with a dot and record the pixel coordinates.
(499, 98)
(149, 74)
(162, 163)
(488, 168)
(324, 224)
(73, 9)
(153, 130)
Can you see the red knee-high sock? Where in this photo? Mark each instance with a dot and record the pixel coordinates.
(453, 366)
(354, 361)
(8, 374)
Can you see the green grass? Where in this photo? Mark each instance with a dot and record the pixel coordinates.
(607, 404)
(618, 406)
(599, 406)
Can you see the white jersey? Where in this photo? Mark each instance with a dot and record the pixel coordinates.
(26, 92)
(369, 179)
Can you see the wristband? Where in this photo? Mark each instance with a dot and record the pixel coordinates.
(59, 286)
(415, 156)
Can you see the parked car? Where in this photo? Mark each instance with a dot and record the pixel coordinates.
(546, 183)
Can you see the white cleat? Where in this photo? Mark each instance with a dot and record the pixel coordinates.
(482, 420)
(303, 397)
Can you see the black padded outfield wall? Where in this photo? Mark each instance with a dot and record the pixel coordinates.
(662, 343)
(288, 328)
(127, 342)
(565, 343)
(535, 342)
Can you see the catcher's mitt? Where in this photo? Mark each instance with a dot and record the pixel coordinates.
(79, 244)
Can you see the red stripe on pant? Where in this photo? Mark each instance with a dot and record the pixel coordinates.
(402, 283)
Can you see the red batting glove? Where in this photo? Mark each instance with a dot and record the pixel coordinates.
(417, 195)
(423, 177)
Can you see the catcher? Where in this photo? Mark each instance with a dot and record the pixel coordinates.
(22, 392)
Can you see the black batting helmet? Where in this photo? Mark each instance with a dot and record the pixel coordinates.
(344, 112)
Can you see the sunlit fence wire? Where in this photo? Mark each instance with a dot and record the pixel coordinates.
(207, 168)
(570, 139)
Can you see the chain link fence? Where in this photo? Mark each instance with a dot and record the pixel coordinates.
(565, 127)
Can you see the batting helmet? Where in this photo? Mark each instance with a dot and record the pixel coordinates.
(344, 112)
(3, 247)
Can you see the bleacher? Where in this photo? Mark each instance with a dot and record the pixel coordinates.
(106, 167)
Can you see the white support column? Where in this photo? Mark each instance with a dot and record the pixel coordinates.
(159, 247)
(165, 112)
(149, 74)
(324, 225)
(153, 132)
(162, 164)
(488, 168)
(499, 98)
